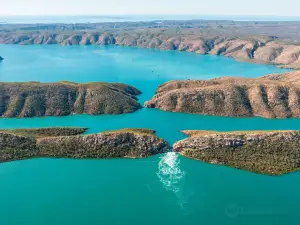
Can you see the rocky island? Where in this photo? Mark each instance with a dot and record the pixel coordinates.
(70, 143)
(30, 99)
(272, 96)
(265, 152)
(260, 42)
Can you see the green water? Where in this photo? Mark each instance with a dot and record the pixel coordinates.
(164, 189)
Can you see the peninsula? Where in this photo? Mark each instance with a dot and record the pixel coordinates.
(265, 152)
(272, 96)
(70, 143)
(259, 42)
(32, 99)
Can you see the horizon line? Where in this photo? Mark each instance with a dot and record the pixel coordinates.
(168, 14)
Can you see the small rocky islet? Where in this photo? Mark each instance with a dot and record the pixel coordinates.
(33, 99)
(57, 142)
(271, 96)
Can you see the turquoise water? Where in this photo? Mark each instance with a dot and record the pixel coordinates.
(165, 189)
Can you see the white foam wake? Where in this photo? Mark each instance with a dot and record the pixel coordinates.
(169, 172)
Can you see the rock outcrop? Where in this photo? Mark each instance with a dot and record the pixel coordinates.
(32, 99)
(52, 142)
(22, 143)
(265, 152)
(273, 96)
(45, 132)
(266, 50)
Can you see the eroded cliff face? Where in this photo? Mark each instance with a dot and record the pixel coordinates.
(272, 153)
(19, 144)
(261, 50)
(124, 143)
(45, 132)
(60, 99)
(52, 142)
(273, 96)
(13, 147)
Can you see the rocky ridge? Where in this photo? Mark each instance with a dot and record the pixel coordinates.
(266, 152)
(52, 142)
(45, 132)
(267, 50)
(272, 96)
(31, 99)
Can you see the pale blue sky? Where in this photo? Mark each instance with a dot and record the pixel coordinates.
(121, 7)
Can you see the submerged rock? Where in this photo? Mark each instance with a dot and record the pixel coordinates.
(53, 142)
(273, 96)
(31, 99)
(1, 58)
(266, 152)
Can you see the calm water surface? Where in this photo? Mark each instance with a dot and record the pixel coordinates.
(164, 189)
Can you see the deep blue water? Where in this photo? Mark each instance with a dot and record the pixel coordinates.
(164, 189)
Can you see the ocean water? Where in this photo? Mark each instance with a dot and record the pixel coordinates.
(164, 189)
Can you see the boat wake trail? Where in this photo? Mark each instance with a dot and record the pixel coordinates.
(169, 172)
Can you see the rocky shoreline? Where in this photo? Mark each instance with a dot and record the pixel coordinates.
(52, 142)
(33, 99)
(264, 152)
(265, 50)
(272, 96)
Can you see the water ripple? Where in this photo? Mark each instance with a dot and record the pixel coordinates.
(169, 172)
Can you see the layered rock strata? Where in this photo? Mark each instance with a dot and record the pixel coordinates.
(33, 99)
(266, 50)
(52, 142)
(272, 96)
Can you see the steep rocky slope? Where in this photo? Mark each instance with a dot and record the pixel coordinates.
(270, 152)
(21, 143)
(52, 142)
(256, 49)
(273, 96)
(133, 143)
(59, 99)
(45, 132)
